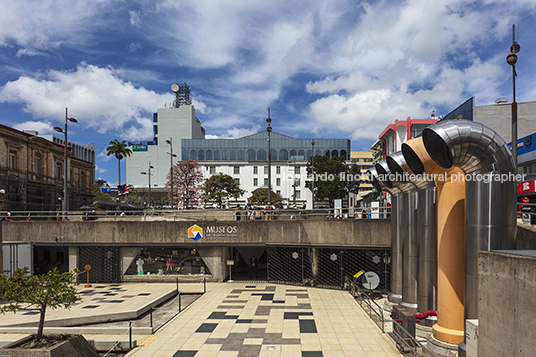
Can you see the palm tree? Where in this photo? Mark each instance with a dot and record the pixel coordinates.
(120, 150)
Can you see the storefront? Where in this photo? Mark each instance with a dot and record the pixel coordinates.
(167, 261)
(526, 198)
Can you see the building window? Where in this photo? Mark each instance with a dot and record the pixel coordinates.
(37, 163)
(155, 129)
(237, 180)
(82, 179)
(212, 170)
(266, 182)
(278, 170)
(236, 170)
(255, 170)
(265, 170)
(298, 194)
(59, 169)
(297, 182)
(255, 182)
(297, 170)
(278, 181)
(278, 192)
(12, 159)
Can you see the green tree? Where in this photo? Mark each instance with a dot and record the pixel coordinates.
(259, 196)
(219, 187)
(98, 194)
(38, 292)
(332, 177)
(120, 150)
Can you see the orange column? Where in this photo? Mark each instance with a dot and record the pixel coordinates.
(450, 242)
(450, 258)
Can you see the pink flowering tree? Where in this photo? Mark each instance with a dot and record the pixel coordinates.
(187, 184)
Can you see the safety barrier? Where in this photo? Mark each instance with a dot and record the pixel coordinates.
(405, 342)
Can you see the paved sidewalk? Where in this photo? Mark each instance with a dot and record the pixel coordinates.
(268, 320)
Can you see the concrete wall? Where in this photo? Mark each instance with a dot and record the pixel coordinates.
(526, 237)
(507, 287)
(373, 233)
(498, 117)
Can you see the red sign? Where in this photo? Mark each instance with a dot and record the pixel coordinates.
(525, 187)
(525, 200)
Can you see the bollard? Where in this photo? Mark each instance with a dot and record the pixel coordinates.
(180, 302)
(129, 335)
(151, 311)
(177, 281)
(204, 285)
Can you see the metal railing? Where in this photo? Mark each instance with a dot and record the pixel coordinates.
(366, 302)
(210, 214)
(405, 342)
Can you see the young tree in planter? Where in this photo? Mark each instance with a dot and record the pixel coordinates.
(219, 187)
(187, 183)
(38, 292)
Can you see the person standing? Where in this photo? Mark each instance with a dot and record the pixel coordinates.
(253, 266)
(238, 213)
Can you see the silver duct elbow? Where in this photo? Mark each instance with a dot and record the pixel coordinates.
(383, 175)
(379, 183)
(469, 145)
(403, 176)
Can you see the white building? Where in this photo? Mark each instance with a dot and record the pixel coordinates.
(245, 159)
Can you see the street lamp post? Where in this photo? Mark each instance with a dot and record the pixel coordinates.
(65, 171)
(313, 171)
(269, 130)
(149, 174)
(172, 155)
(511, 59)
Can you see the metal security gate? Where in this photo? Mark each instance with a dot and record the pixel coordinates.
(103, 262)
(326, 267)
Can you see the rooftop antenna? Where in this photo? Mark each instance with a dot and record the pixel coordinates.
(182, 95)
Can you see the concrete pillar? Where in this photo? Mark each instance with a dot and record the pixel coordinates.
(73, 258)
(127, 256)
(215, 259)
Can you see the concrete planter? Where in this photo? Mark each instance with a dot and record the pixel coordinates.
(72, 346)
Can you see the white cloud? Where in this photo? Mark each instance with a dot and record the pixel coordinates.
(233, 133)
(98, 97)
(47, 24)
(42, 127)
(134, 18)
(100, 170)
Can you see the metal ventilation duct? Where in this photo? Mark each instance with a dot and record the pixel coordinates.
(395, 296)
(420, 251)
(490, 186)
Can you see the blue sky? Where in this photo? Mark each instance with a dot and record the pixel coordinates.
(326, 68)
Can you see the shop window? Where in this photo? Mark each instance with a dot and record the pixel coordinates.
(168, 261)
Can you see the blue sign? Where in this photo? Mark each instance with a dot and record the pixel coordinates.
(109, 189)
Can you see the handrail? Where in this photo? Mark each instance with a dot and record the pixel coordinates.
(225, 214)
(409, 342)
(362, 297)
